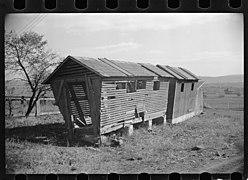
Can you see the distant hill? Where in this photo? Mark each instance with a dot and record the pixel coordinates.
(239, 78)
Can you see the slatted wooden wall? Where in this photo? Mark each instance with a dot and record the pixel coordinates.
(82, 98)
(118, 106)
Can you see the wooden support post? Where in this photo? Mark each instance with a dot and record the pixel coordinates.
(150, 124)
(69, 125)
(129, 130)
(38, 107)
(164, 122)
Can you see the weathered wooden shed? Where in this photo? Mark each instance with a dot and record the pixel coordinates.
(183, 94)
(98, 96)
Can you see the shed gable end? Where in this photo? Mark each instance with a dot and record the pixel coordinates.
(69, 68)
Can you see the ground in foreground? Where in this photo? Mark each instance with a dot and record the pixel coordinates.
(38, 146)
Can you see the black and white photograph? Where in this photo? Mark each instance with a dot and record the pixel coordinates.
(124, 93)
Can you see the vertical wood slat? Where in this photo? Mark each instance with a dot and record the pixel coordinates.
(65, 110)
(59, 91)
(94, 88)
(68, 116)
(88, 95)
(97, 100)
(91, 102)
(79, 109)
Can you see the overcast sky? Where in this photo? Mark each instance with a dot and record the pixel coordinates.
(208, 44)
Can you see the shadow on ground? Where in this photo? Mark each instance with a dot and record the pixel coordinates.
(54, 134)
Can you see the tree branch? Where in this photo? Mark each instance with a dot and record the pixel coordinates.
(23, 68)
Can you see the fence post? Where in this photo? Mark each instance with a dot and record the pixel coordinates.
(38, 107)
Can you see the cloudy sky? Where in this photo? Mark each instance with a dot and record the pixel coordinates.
(208, 44)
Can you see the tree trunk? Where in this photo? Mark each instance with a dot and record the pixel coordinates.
(28, 111)
(10, 107)
(30, 105)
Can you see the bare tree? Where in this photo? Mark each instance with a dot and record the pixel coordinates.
(27, 54)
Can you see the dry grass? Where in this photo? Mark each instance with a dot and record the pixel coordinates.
(38, 145)
(164, 150)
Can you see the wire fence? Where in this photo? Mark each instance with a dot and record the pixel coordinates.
(17, 106)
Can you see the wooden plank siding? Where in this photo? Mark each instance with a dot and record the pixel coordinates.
(184, 102)
(118, 106)
(71, 70)
(85, 91)
(79, 102)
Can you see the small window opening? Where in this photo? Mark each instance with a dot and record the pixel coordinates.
(182, 87)
(131, 87)
(156, 85)
(121, 85)
(141, 84)
(192, 86)
(111, 97)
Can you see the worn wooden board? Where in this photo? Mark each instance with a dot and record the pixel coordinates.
(117, 105)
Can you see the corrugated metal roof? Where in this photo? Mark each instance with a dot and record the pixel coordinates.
(132, 68)
(99, 67)
(106, 68)
(155, 69)
(179, 73)
(189, 72)
(182, 73)
(168, 70)
(105, 60)
(112, 68)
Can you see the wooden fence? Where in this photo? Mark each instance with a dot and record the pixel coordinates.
(17, 106)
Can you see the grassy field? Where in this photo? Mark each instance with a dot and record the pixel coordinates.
(38, 145)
